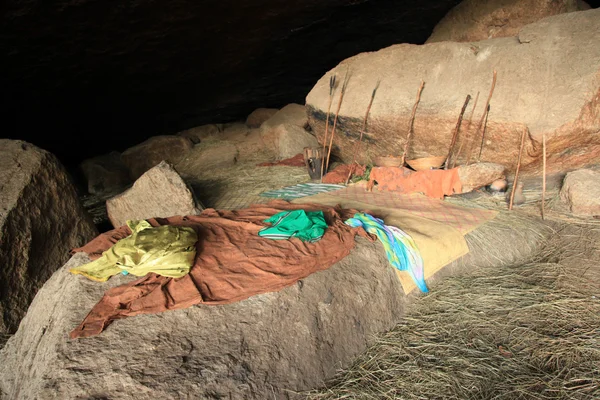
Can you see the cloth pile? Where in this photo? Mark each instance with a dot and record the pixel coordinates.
(400, 249)
(232, 262)
(432, 183)
(165, 250)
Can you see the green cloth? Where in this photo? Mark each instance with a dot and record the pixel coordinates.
(306, 226)
(165, 250)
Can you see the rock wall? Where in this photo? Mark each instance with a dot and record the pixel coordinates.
(548, 82)
(267, 346)
(475, 20)
(41, 220)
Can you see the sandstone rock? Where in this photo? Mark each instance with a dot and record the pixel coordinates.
(148, 154)
(581, 192)
(287, 140)
(561, 102)
(260, 348)
(260, 115)
(254, 349)
(105, 173)
(41, 220)
(292, 114)
(198, 133)
(160, 192)
(479, 175)
(474, 20)
(208, 155)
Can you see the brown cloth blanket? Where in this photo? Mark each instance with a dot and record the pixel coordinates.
(232, 262)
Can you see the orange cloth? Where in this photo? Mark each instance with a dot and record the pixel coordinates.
(296, 161)
(434, 183)
(232, 262)
(340, 173)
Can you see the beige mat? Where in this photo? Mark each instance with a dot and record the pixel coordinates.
(439, 243)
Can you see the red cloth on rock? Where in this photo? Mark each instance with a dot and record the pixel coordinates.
(232, 262)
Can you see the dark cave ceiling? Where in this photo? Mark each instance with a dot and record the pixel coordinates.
(82, 77)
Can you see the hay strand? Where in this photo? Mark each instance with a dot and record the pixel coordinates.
(526, 330)
(411, 123)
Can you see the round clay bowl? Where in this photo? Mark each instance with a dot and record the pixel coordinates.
(420, 164)
(388, 161)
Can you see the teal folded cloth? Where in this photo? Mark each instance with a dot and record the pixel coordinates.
(306, 226)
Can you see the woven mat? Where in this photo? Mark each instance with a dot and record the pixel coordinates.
(461, 218)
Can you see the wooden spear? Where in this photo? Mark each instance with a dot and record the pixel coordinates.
(331, 90)
(456, 129)
(466, 139)
(337, 113)
(411, 124)
(485, 113)
(543, 173)
(364, 129)
(514, 188)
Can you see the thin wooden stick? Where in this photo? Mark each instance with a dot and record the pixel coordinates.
(343, 91)
(486, 110)
(411, 124)
(487, 113)
(467, 138)
(543, 173)
(456, 129)
(331, 90)
(473, 110)
(364, 128)
(514, 188)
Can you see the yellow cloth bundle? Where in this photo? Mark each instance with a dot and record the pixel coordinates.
(165, 250)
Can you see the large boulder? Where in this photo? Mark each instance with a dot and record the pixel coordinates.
(292, 114)
(259, 348)
(287, 140)
(199, 133)
(142, 157)
(260, 115)
(547, 83)
(105, 173)
(475, 20)
(160, 192)
(477, 175)
(581, 192)
(208, 155)
(41, 220)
